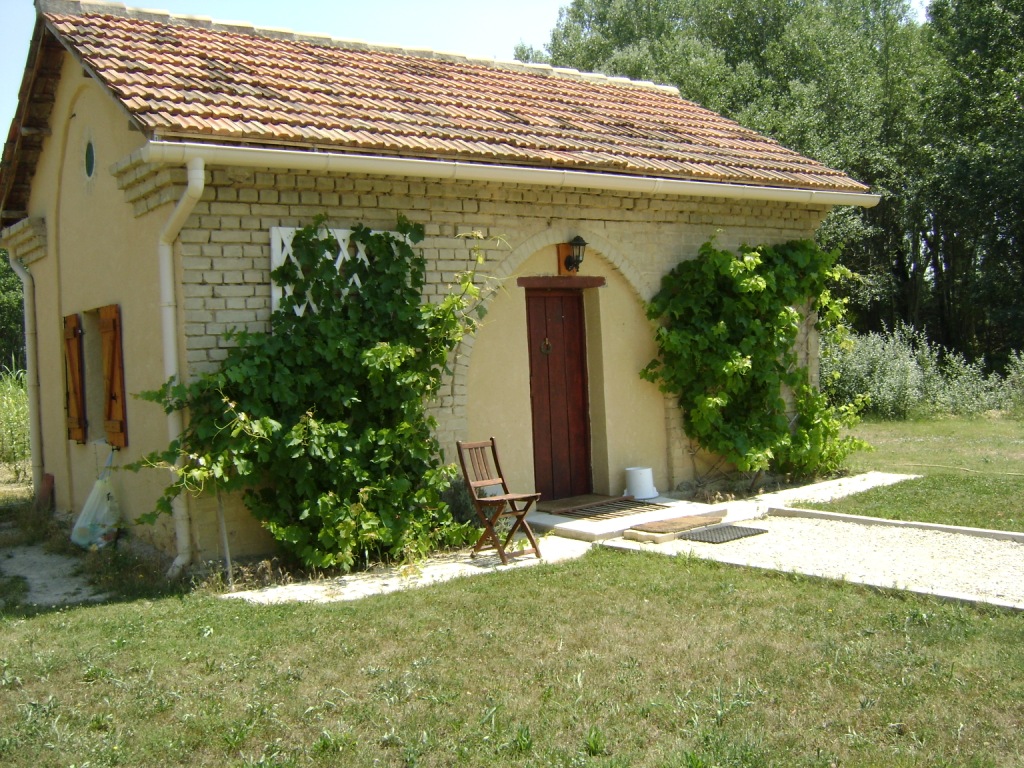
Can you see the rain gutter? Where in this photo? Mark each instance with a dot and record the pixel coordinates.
(177, 153)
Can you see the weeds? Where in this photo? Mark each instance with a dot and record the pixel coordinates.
(595, 743)
(14, 424)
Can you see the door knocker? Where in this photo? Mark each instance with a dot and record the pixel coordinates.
(545, 347)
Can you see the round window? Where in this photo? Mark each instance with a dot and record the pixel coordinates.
(90, 159)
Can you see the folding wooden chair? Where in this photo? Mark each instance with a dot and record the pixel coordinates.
(493, 501)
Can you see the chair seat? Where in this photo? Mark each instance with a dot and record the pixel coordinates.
(506, 497)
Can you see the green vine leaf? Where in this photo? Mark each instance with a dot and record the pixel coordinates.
(729, 322)
(322, 422)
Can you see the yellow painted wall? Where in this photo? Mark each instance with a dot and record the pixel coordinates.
(98, 253)
(627, 415)
(628, 419)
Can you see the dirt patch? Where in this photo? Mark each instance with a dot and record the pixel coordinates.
(52, 579)
(731, 487)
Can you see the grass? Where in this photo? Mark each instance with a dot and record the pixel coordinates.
(616, 659)
(613, 660)
(972, 472)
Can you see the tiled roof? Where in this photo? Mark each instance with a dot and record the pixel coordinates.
(188, 78)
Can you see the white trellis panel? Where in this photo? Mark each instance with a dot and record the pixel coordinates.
(281, 251)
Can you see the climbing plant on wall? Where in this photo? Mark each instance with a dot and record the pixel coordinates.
(321, 422)
(729, 322)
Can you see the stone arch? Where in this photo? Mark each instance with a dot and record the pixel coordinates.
(453, 413)
(610, 250)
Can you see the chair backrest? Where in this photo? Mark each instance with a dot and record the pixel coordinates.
(481, 468)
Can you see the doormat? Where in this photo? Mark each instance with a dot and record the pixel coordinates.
(608, 510)
(721, 534)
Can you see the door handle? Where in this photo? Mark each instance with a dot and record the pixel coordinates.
(545, 347)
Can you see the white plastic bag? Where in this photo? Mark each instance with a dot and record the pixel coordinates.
(97, 524)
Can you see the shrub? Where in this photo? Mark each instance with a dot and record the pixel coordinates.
(14, 424)
(726, 350)
(1015, 384)
(882, 366)
(904, 375)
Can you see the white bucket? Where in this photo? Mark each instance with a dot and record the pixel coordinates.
(640, 483)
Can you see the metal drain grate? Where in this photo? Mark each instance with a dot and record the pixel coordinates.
(608, 510)
(720, 534)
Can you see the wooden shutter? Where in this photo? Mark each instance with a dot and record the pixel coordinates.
(74, 378)
(115, 422)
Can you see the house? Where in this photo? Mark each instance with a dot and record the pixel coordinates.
(154, 160)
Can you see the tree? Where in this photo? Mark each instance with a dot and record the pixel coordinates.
(930, 116)
(12, 317)
(974, 196)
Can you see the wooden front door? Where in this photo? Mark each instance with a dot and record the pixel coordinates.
(558, 390)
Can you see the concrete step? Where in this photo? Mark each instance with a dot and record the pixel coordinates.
(585, 529)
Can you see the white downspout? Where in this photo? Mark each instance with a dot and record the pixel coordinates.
(169, 324)
(35, 433)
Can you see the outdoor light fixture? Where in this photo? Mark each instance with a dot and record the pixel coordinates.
(570, 255)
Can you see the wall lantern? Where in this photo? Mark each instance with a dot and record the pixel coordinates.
(570, 255)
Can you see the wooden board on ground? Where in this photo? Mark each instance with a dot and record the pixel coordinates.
(667, 530)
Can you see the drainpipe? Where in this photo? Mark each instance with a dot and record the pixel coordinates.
(169, 324)
(35, 434)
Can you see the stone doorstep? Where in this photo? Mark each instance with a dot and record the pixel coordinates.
(613, 528)
(671, 533)
(736, 511)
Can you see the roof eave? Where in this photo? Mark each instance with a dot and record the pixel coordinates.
(16, 133)
(178, 153)
(43, 37)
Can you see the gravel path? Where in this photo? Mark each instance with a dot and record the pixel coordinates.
(954, 565)
(957, 563)
(976, 566)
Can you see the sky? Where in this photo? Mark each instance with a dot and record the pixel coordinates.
(483, 28)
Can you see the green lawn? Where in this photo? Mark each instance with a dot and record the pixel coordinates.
(972, 472)
(617, 659)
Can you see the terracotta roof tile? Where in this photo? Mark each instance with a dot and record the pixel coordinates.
(182, 78)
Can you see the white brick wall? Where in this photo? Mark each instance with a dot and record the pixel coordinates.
(225, 245)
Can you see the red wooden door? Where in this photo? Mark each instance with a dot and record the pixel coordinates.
(558, 389)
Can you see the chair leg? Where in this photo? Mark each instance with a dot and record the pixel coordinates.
(489, 539)
(521, 524)
(521, 514)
